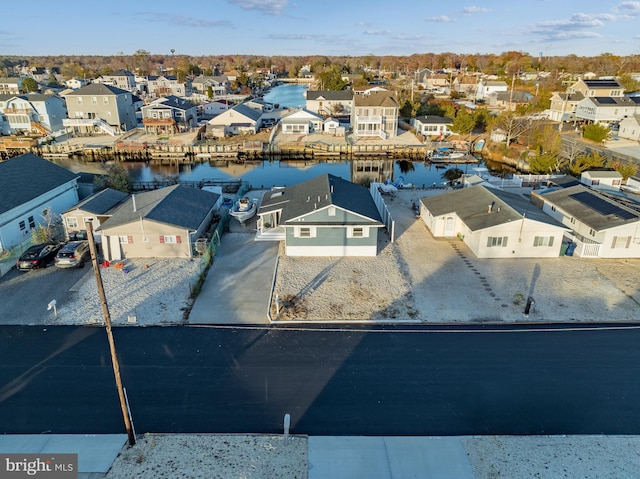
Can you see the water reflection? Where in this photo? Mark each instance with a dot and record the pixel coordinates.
(266, 174)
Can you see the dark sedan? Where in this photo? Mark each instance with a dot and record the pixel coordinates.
(37, 256)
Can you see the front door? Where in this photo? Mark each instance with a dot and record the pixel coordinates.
(449, 226)
(115, 253)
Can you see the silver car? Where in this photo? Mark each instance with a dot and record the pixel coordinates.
(73, 255)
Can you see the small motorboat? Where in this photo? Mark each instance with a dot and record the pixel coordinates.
(243, 209)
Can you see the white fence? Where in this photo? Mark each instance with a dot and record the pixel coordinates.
(383, 210)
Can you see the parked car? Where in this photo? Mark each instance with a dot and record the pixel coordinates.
(73, 255)
(37, 256)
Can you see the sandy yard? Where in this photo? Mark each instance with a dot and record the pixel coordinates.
(420, 278)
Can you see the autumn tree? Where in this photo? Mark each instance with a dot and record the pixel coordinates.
(588, 161)
(627, 170)
(117, 178)
(512, 125)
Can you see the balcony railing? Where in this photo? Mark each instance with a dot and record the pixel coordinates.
(369, 119)
(18, 111)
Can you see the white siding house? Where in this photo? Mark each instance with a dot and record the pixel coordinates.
(602, 180)
(31, 186)
(493, 223)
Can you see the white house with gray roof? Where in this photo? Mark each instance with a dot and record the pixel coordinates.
(163, 223)
(602, 180)
(493, 223)
(432, 125)
(235, 121)
(301, 122)
(324, 216)
(601, 226)
(123, 79)
(607, 109)
(31, 186)
(329, 103)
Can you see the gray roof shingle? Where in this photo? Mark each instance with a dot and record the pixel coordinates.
(101, 202)
(319, 192)
(471, 205)
(176, 205)
(28, 176)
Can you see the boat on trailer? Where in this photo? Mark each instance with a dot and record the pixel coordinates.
(243, 209)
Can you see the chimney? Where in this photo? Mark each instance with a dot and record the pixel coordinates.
(133, 197)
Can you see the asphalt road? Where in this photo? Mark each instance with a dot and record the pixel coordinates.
(353, 382)
(26, 294)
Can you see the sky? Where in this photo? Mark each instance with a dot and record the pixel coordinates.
(324, 27)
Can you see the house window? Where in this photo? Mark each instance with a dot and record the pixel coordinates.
(595, 182)
(79, 100)
(126, 239)
(621, 242)
(23, 226)
(105, 100)
(332, 210)
(87, 219)
(94, 100)
(32, 223)
(553, 208)
(573, 220)
(170, 239)
(305, 232)
(497, 241)
(592, 232)
(357, 232)
(543, 241)
(616, 182)
(72, 222)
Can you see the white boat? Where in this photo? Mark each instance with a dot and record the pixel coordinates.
(243, 209)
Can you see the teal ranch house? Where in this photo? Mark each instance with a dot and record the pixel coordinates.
(324, 216)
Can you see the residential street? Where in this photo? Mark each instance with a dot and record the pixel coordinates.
(332, 382)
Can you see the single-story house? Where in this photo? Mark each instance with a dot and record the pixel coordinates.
(630, 128)
(235, 121)
(31, 188)
(96, 208)
(432, 125)
(332, 126)
(493, 223)
(324, 216)
(301, 122)
(160, 223)
(602, 180)
(601, 226)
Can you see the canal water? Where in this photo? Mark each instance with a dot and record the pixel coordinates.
(266, 174)
(289, 96)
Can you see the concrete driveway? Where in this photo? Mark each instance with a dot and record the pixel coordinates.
(238, 285)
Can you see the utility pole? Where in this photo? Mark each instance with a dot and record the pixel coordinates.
(112, 345)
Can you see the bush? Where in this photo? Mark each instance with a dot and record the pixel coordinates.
(595, 132)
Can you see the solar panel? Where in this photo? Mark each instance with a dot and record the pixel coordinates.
(605, 100)
(602, 206)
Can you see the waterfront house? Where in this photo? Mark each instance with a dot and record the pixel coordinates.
(600, 226)
(169, 115)
(432, 126)
(301, 122)
(32, 113)
(236, 121)
(31, 187)
(99, 109)
(163, 223)
(96, 208)
(493, 223)
(329, 103)
(123, 79)
(324, 216)
(375, 114)
(602, 180)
